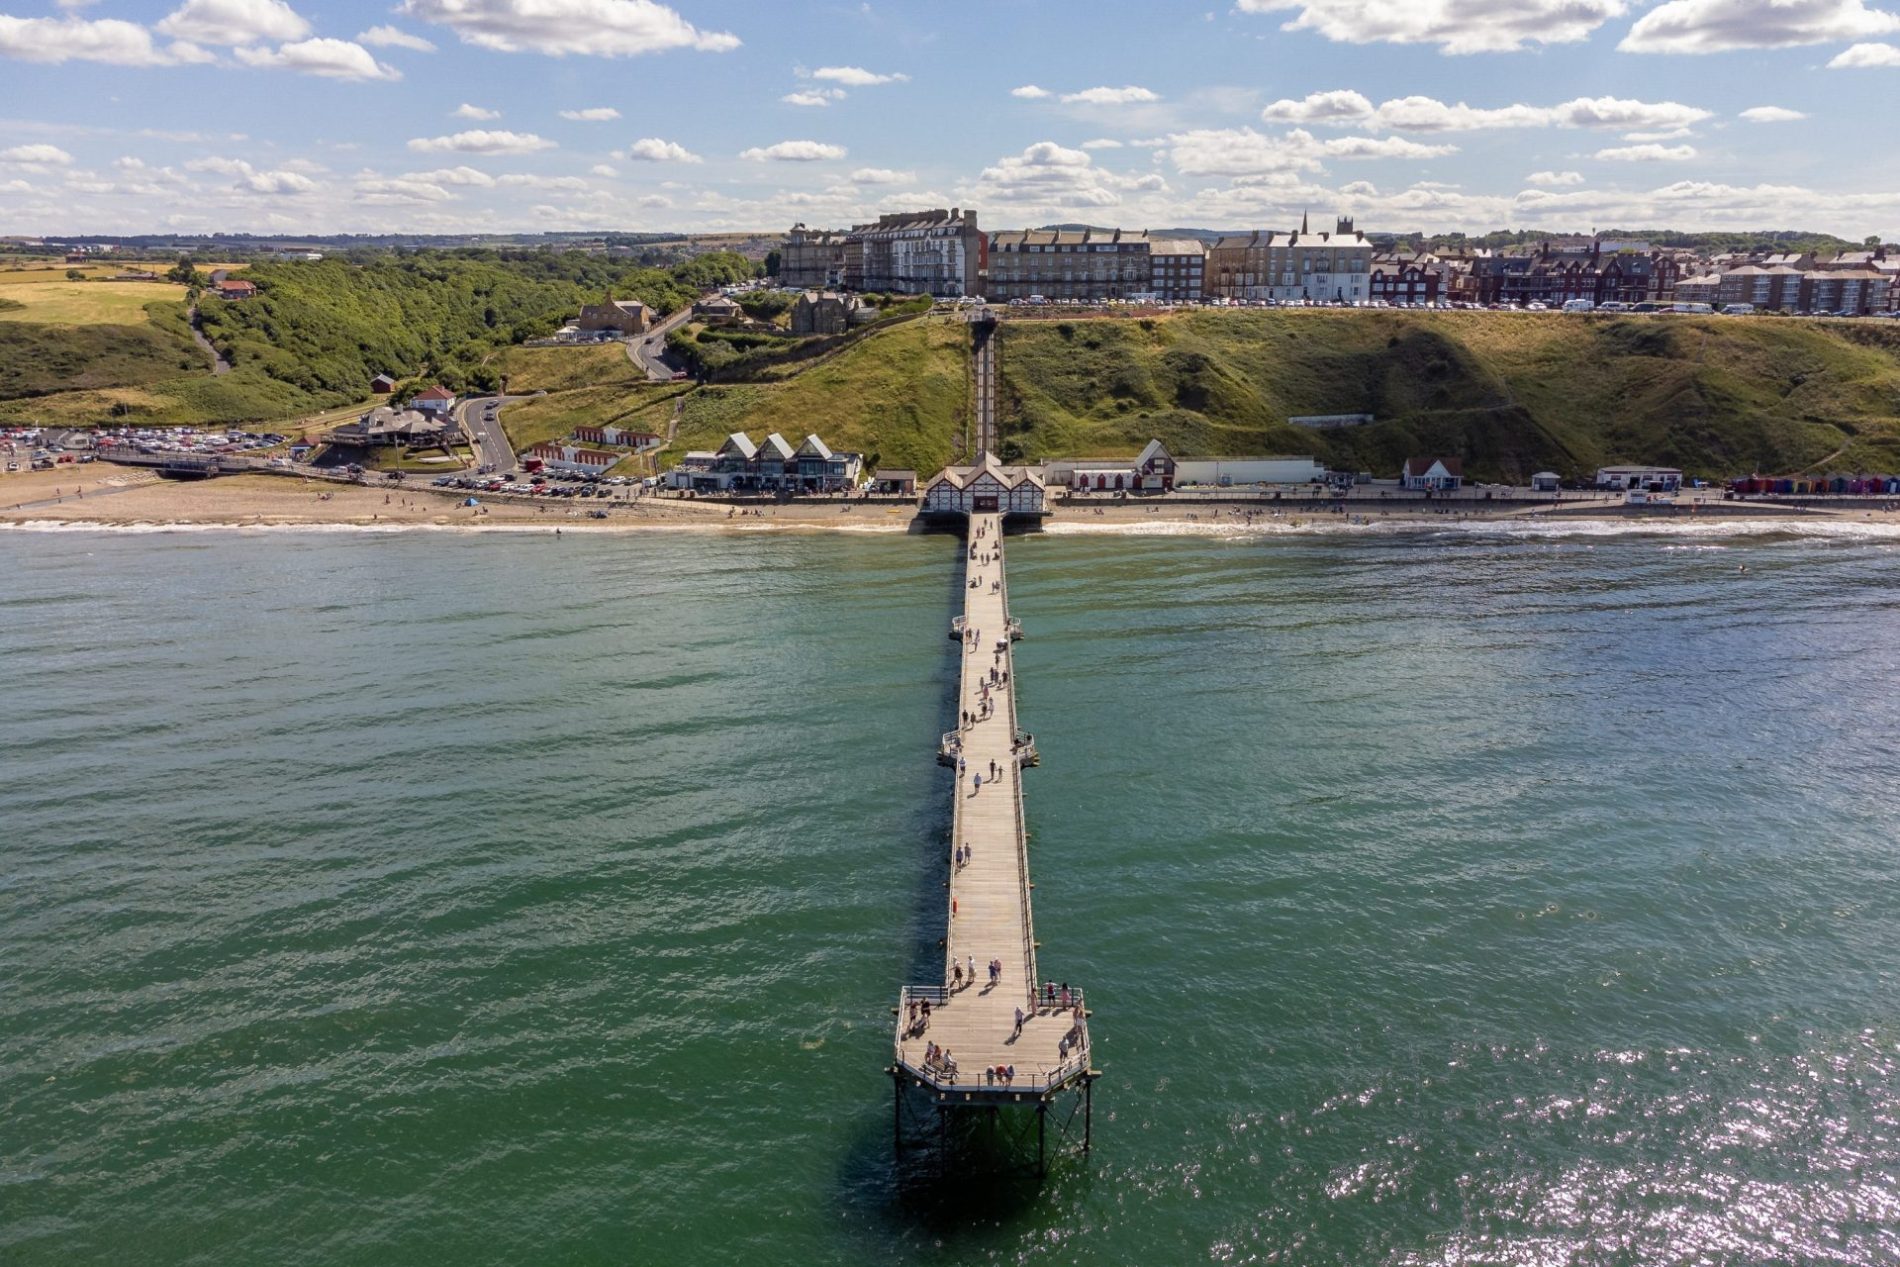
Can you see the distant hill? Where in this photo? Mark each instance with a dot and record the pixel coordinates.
(1512, 394)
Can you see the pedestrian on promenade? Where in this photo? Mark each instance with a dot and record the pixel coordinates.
(968, 853)
(971, 968)
(961, 765)
(1019, 1023)
(956, 974)
(978, 778)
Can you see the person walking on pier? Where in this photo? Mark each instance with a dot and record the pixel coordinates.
(977, 779)
(1019, 1024)
(970, 968)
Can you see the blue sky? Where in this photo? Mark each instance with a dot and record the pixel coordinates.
(526, 115)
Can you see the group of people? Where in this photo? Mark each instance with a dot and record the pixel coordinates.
(917, 1019)
(939, 1060)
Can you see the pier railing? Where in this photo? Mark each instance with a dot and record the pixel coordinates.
(1022, 831)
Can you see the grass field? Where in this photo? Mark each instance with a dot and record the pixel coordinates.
(1510, 393)
(92, 303)
(564, 368)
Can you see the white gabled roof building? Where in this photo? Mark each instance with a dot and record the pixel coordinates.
(988, 487)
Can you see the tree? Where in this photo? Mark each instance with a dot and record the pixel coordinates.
(75, 275)
(1871, 242)
(772, 262)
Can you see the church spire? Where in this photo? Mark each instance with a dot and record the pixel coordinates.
(1302, 221)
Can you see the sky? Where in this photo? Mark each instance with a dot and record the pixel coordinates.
(447, 116)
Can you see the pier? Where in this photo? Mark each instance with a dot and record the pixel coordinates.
(952, 1052)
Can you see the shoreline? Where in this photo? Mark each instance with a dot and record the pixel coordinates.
(117, 500)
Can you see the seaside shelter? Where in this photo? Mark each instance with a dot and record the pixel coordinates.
(1433, 474)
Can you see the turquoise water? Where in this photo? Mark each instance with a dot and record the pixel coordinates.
(1449, 897)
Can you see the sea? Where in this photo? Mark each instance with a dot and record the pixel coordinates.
(1463, 894)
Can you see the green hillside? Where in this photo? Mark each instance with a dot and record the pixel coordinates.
(1510, 393)
(901, 397)
(316, 333)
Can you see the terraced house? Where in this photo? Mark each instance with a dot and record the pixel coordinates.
(1331, 267)
(1080, 264)
(917, 253)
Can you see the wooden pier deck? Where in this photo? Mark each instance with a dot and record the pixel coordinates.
(989, 913)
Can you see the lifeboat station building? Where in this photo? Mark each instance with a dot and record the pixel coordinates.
(987, 488)
(1156, 470)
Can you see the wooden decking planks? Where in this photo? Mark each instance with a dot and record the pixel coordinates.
(990, 916)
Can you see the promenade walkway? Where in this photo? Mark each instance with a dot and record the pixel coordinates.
(989, 916)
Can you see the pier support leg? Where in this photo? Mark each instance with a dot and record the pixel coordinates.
(1088, 1113)
(1042, 1124)
(897, 1111)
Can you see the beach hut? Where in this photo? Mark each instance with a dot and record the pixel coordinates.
(1545, 482)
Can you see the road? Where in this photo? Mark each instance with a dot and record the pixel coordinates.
(649, 351)
(480, 417)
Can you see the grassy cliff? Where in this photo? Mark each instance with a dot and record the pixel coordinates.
(1510, 393)
(901, 397)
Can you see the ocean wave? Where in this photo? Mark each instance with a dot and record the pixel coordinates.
(1709, 532)
(518, 528)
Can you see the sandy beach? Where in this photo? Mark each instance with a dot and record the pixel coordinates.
(106, 495)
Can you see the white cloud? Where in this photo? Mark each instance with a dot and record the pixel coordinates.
(36, 156)
(813, 96)
(1102, 143)
(1714, 26)
(1377, 147)
(250, 179)
(602, 169)
(333, 59)
(453, 176)
(1048, 175)
(397, 192)
(1553, 180)
(1245, 153)
(856, 76)
(1665, 134)
(479, 113)
(1866, 57)
(652, 201)
(393, 37)
(1457, 26)
(229, 22)
(565, 184)
(1426, 114)
(793, 152)
(1771, 114)
(882, 176)
(600, 28)
(59, 40)
(1029, 92)
(593, 114)
(481, 141)
(1339, 106)
(652, 149)
(1129, 95)
(1236, 152)
(1650, 153)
